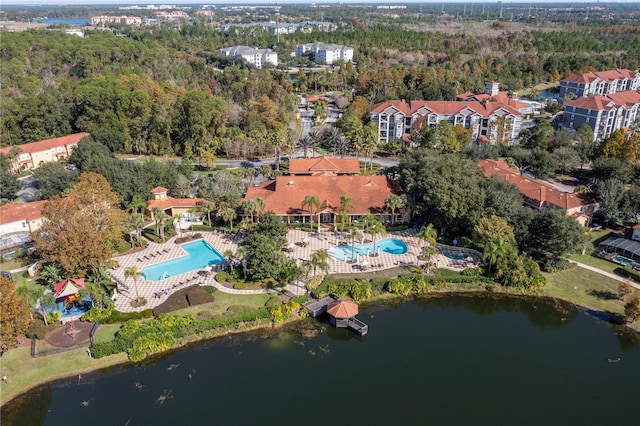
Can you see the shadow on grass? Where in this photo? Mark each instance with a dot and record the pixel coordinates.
(603, 294)
(604, 237)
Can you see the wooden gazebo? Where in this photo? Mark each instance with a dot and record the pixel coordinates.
(341, 311)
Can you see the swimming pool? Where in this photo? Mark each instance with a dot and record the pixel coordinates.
(455, 255)
(199, 255)
(622, 260)
(389, 245)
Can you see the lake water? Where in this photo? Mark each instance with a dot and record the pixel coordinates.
(441, 361)
(68, 21)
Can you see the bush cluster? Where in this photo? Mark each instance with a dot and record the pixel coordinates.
(139, 339)
(39, 330)
(630, 273)
(555, 265)
(283, 312)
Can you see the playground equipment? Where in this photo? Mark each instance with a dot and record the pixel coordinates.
(71, 330)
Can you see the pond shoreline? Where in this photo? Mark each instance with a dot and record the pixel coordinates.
(120, 360)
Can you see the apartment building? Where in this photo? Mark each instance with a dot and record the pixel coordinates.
(105, 19)
(395, 118)
(599, 83)
(541, 195)
(32, 155)
(604, 114)
(256, 57)
(326, 53)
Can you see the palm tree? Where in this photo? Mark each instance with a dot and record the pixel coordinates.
(345, 204)
(248, 207)
(319, 260)
(156, 211)
(375, 228)
(315, 138)
(137, 222)
(332, 138)
(305, 143)
(162, 218)
(259, 205)
(311, 201)
(209, 206)
(137, 205)
(393, 203)
(265, 170)
(429, 234)
(427, 254)
(343, 145)
(496, 252)
(227, 214)
(354, 234)
(133, 272)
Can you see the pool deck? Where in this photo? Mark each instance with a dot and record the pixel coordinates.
(303, 246)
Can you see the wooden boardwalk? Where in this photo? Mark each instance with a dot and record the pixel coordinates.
(318, 307)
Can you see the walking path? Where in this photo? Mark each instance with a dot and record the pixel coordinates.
(606, 274)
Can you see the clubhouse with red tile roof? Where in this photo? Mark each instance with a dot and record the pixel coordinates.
(284, 196)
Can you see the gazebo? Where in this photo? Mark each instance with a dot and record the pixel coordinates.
(341, 311)
(67, 293)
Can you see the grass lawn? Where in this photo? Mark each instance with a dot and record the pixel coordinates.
(585, 288)
(23, 372)
(224, 300)
(107, 332)
(597, 262)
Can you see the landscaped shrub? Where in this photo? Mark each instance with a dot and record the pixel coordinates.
(210, 289)
(224, 321)
(472, 272)
(248, 285)
(141, 338)
(555, 265)
(136, 303)
(629, 272)
(202, 228)
(301, 299)
(224, 277)
(190, 296)
(198, 296)
(399, 286)
(339, 290)
(360, 291)
(39, 329)
(117, 317)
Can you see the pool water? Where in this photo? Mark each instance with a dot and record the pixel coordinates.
(622, 260)
(199, 255)
(455, 256)
(389, 245)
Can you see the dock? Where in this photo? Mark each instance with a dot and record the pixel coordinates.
(318, 307)
(339, 315)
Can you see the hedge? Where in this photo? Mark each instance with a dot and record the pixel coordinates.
(630, 273)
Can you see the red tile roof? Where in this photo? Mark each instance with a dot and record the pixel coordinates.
(597, 103)
(539, 193)
(324, 164)
(581, 78)
(285, 194)
(342, 309)
(170, 202)
(33, 147)
(627, 98)
(158, 190)
(10, 213)
(607, 76)
(485, 109)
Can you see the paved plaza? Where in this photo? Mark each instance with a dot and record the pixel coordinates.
(301, 246)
